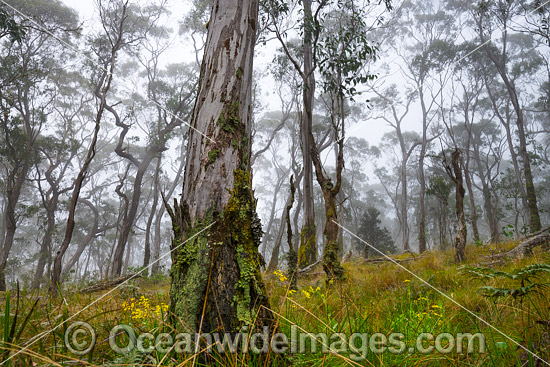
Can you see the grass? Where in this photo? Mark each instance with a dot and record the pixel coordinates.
(375, 298)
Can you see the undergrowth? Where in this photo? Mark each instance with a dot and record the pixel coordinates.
(376, 298)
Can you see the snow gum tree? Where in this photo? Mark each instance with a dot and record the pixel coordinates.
(216, 283)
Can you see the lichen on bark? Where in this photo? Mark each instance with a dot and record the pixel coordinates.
(243, 229)
(306, 252)
(190, 250)
(232, 243)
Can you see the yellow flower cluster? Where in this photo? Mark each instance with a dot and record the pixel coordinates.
(433, 310)
(308, 293)
(281, 276)
(141, 308)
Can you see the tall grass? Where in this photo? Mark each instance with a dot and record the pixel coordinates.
(381, 298)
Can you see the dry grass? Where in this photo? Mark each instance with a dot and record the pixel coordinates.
(376, 298)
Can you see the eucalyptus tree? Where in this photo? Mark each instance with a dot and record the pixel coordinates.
(26, 100)
(216, 282)
(58, 152)
(334, 42)
(170, 90)
(357, 193)
(172, 106)
(394, 109)
(273, 133)
(158, 230)
(467, 96)
(304, 62)
(397, 148)
(119, 27)
(454, 170)
(427, 49)
(9, 26)
(488, 146)
(440, 188)
(499, 15)
(192, 25)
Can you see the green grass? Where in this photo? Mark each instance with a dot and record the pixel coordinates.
(375, 298)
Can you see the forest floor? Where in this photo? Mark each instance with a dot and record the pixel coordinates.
(376, 300)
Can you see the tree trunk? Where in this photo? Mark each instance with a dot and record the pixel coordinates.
(467, 165)
(471, 197)
(500, 65)
(455, 172)
(128, 221)
(155, 267)
(331, 260)
(216, 283)
(46, 245)
(101, 92)
(404, 223)
(422, 179)
(490, 209)
(307, 254)
(271, 219)
(94, 230)
(15, 184)
(526, 247)
(292, 253)
(147, 250)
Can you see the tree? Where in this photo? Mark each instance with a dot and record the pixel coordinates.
(9, 27)
(166, 120)
(407, 143)
(106, 48)
(216, 282)
(454, 170)
(305, 65)
(440, 188)
(489, 15)
(27, 68)
(376, 236)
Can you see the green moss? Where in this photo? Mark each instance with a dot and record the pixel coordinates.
(229, 117)
(240, 214)
(239, 73)
(213, 155)
(308, 239)
(187, 275)
(331, 263)
(292, 268)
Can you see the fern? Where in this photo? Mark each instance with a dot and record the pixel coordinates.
(493, 292)
(133, 358)
(527, 274)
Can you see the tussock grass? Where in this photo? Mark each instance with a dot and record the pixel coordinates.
(375, 298)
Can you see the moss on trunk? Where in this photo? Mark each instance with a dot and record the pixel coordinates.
(216, 281)
(307, 252)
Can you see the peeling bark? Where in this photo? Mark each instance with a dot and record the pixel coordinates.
(455, 172)
(216, 284)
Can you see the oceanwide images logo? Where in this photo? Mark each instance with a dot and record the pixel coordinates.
(80, 339)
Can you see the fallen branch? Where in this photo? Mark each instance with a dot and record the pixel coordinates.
(526, 247)
(108, 283)
(309, 267)
(384, 259)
